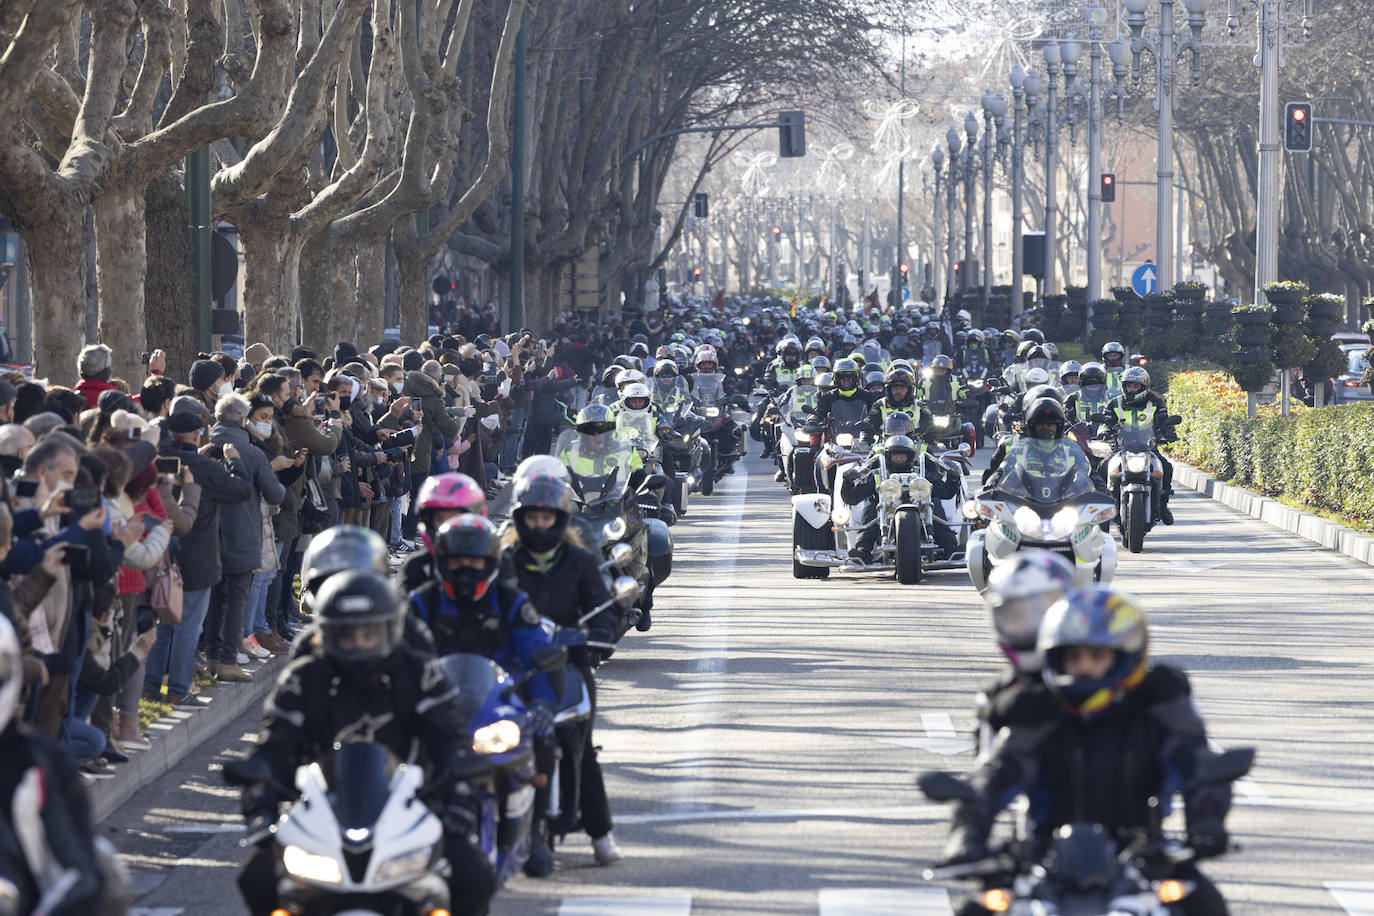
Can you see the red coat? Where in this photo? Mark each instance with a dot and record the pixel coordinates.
(91, 388)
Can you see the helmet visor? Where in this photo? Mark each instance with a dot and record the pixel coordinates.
(358, 641)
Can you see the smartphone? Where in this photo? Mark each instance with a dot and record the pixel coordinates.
(82, 499)
(344, 401)
(26, 489)
(74, 552)
(319, 404)
(302, 451)
(147, 619)
(168, 466)
(136, 433)
(150, 522)
(146, 358)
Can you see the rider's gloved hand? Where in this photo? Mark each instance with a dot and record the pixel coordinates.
(1207, 837)
(541, 720)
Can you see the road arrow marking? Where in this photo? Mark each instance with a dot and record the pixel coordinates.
(941, 738)
(907, 901)
(1355, 897)
(1191, 567)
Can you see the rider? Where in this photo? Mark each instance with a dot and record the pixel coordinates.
(361, 683)
(1091, 397)
(846, 402)
(941, 384)
(1112, 734)
(900, 397)
(1114, 362)
(974, 359)
(782, 371)
(1070, 373)
(1042, 448)
(1139, 406)
(899, 456)
(441, 497)
(470, 610)
(563, 580)
(669, 389)
(635, 417)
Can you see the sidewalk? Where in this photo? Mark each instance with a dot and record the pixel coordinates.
(179, 733)
(1333, 535)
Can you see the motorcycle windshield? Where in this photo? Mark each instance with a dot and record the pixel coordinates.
(637, 428)
(708, 388)
(846, 414)
(474, 677)
(1137, 437)
(874, 355)
(670, 393)
(1046, 472)
(358, 776)
(598, 465)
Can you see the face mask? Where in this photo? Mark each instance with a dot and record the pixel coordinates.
(264, 429)
(225, 387)
(397, 386)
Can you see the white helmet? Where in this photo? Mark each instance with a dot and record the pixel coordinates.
(11, 672)
(963, 315)
(1035, 377)
(541, 466)
(629, 377)
(705, 354)
(636, 392)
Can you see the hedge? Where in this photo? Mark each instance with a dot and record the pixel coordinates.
(1321, 458)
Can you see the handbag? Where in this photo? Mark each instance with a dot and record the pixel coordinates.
(167, 593)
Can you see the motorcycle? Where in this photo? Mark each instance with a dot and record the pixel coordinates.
(1136, 477)
(722, 434)
(816, 546)
(360, 838)
(1056, 511)
(946, 417)
(681, 452)
(1082, 869)
(798, 439)
(973, 410)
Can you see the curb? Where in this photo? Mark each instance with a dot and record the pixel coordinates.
(176, 735)
(1352, 543)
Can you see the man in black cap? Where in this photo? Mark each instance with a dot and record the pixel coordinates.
(207, 375)
(7, 393)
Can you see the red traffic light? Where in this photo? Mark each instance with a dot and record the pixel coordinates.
(1108, 179)
(1299, 114)
(696, 271)
(905, 268)
(777, 230)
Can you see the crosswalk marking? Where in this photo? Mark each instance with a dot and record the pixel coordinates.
(906, 901)
(669, 905)
(1355, 897)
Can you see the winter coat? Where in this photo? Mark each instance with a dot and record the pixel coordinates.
(437, 425)
(545, 394)
(301, 433)
(220, 484)
(240, 524)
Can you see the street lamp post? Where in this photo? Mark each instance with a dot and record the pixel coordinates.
(1166, 54)
(954, 143)
(937, 160)
(1052, 61)
(989, 103)
(971, 129)
(1029, 90)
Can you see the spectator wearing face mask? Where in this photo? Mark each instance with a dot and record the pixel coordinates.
(208, 382)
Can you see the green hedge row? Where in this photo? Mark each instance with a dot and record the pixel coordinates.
(1322, 458)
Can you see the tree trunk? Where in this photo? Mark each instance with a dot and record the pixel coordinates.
(57, 275)
(371, 291)
(328, 293)
(120, 264)
(169, 290)
(412, 274)
(270, 284)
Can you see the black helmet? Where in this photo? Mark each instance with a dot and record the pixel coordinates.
(1037, 392)
(1113, 354)
(339, 549)
(873, 379)
(846, 376)
(596, 420)
(942, 362)
(1043, 412)
(899, 453)
(465, 537)
(639, 349)
(547, 493)
(361, 618)
(608, 378)
(1023, 348)
(1034, 334)
(1095, 617)
(898, 423)
(625, 361)
(1092, 374)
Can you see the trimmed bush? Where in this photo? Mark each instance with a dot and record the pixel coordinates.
(1321, 458)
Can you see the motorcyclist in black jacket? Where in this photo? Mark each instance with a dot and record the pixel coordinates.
(899, 454)
(899, 387)
(1138, 404)
(563, 580)
(845, 398)
(1111, 733)
(361, 683)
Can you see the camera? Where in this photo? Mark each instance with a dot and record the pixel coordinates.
(395, 454)
(26, 489)
(168, 466)
(400, 440)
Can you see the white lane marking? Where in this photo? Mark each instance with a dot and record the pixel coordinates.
(941, 738)
(1182, 565)
(203, 828)
(708, 668)
(794, 814)
(157, 911)
(910, 901)
(1246, 786)
(673, 905)
(1355, 897)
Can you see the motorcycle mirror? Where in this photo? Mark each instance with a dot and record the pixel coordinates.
(945, 787)
(547, 658)
(1225, 767)
(251, 772)
(621, 553)
(655, 482)
(625, 589)
(965, 449)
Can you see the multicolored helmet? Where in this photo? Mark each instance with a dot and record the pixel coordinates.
(447, 495)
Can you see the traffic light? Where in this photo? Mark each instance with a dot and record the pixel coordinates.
(791, 134)
(906, 274)
(696, 273)
(700, 207)
(777, 231)
(1108, 188)
(1297, 127)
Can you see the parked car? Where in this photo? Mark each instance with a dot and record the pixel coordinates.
(1348, 386)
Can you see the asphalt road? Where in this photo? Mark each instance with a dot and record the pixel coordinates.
(760, 743)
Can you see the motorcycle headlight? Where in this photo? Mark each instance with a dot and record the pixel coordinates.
(890, 490)
(1027, 521)
(496, 738)
(1064, 521)
(969, 509)
(613, 530)
(845, 440)
(310, 867)
(920, 489)
(712, 411)
(1137, 463)
(407, 863)
(840, 515)
(1100, 449)
(943, 421)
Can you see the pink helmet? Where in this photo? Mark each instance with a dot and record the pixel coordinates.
(451, 491)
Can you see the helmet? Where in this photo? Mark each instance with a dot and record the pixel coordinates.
(932, 330)
(898, 423)
(963, 316)
(466, 536)
(595, 420)
(11, 672)
(1092, 374)
(541, 466)
(942, 362)
(899, 454)
(542, 492)
(873, 379)
(639, 349)
(339, 549)
(858, 357)
(1018, 594)
(629, 377)
(1035, 377)
(1023, 348)
(1036, 357)
(361, 618)
(1034, 334)
(820, 363)
(665, 368)
(1041, 391)
(1136, 375)
(450, 493)
(899, 375)
(789, 347)
(625, 361)
(1102, 618)
(612, 373)
(824, 381)
(975, 338)
(806, 374)
(1052, 351)
(1070, 368)
(1043, 412)
(705, 358)
(846, 376)
(635, 397)
(1010, 336)
(1113, 354)
(815, 343)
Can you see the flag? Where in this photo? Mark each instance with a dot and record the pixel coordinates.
(821, 307)
(793, 312)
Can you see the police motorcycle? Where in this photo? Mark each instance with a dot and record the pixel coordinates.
(361, 840)
(1081, 868)
(722, 434)
(1135, 476)
(1050, 505)
(798, 437)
